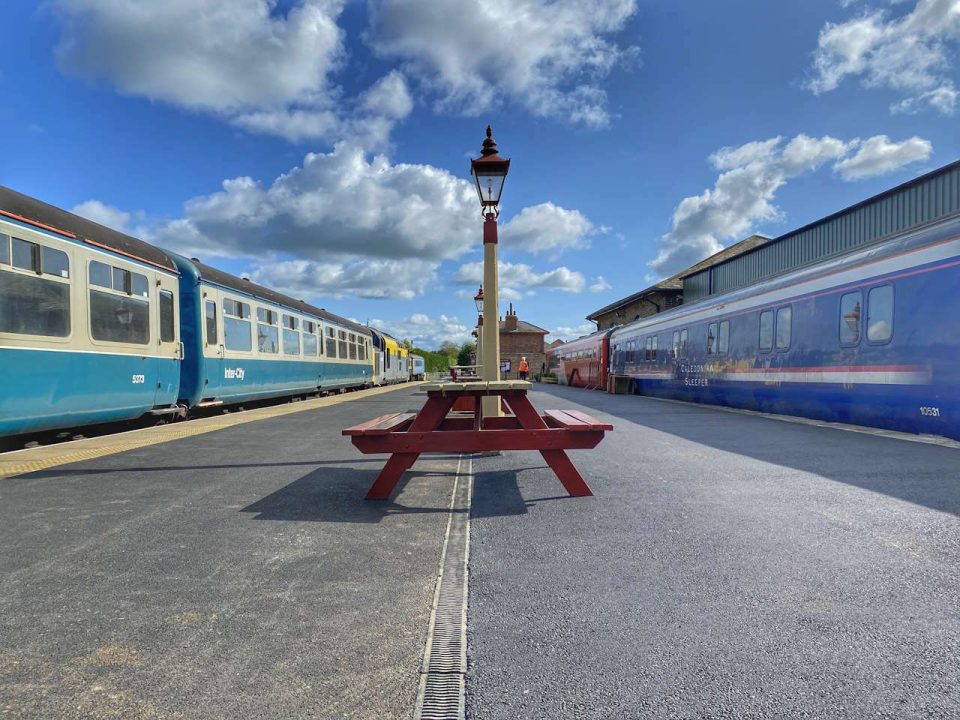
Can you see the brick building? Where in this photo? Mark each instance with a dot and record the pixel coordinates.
(518, 339)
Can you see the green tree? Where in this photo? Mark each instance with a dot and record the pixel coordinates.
(464, 356)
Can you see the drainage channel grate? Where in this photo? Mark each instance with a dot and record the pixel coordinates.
(445, 657)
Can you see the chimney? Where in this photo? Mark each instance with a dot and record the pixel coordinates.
(511, 319)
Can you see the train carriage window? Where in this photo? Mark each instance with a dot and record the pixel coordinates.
(54, 262)
(723, 338)
(353, 351)
(675, 350)
(100, 274)
(31, 305)
(268, 335)
(850, 312)
(331, 343)
(653, 348)
(237, 327)
(711, 338)
(766, 331)
(784, 327)
(291, 335)
(363, 349)
(26, 255)
(342, 344)
(880, 314)
(310, 343)
(119, 318)
(4, 249)
(210, 321)
(167, 333)
(683, 343)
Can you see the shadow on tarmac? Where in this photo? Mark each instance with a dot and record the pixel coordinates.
(335, 494)
(59, 472)
(917, 473)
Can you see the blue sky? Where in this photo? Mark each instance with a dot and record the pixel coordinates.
(322, 146)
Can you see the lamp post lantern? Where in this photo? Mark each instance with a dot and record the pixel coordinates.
(489, 172)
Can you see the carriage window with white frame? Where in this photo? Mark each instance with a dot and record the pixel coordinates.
(291, 335)
(851, 305)
(167, 325)
(210, 322)
(119, 305)
(353, 346)
(36, 301)
(331, 343)
(310, 344)
(880, 314)
(268, 334)
(342, 344)
(784, 327)
(237, 326)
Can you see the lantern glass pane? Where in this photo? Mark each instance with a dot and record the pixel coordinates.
(490, 187)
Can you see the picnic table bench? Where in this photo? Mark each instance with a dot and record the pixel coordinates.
(435, 429)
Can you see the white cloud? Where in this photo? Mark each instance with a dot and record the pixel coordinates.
(878, 156)
(547, 227)
(425, 331)
(599, 285)
(106, 215)
(246, 61)
(567, 333)
(335, 205)
(547, 55)
(517, 278)
(907, 54)
(366, 278)
(750, 176)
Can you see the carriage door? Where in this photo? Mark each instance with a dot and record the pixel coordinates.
(170, 349)
(212, 323)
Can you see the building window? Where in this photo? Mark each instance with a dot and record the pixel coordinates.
(850, 312)
(167, 330)
(784, 327)
(210, 320)
(766, 331)
(880, 314)
(723, 338)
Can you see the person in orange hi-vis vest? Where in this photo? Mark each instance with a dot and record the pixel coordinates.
(523, 368)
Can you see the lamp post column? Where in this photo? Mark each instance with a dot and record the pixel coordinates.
(491, 313)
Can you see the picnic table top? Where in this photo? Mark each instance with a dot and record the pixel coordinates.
(492, 387)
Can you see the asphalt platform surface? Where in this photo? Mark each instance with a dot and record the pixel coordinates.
(236, 574)
(729, 566)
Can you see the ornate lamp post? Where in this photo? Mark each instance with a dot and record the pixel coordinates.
(489, 173)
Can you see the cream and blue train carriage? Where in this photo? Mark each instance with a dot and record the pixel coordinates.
(390, 359)
(88, 321)
(247, 342)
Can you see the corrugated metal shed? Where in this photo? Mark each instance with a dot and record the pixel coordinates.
(923, 200)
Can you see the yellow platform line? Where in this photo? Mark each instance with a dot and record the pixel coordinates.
(30, 460)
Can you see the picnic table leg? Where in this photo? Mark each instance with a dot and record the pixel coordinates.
(558, 461)
(428, 419)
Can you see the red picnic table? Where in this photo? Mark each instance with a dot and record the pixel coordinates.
(435, 429)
